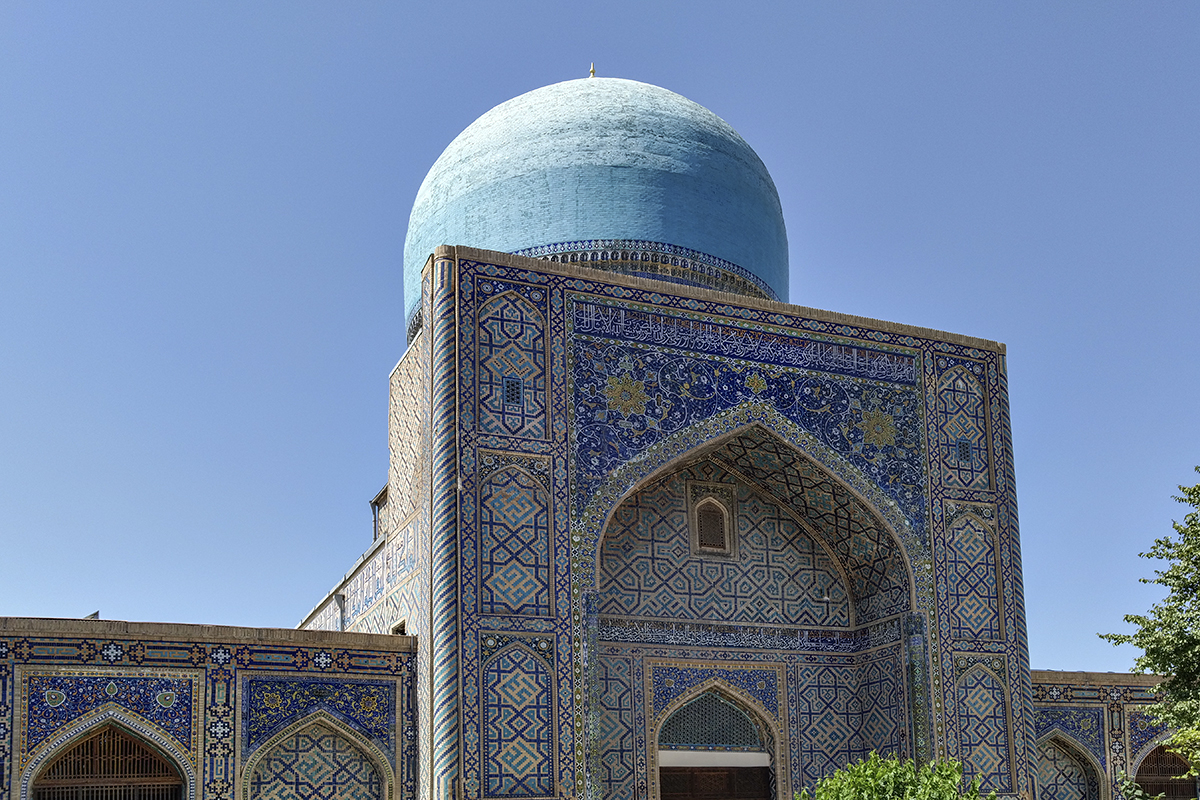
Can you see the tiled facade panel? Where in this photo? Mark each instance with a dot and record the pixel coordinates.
(315, 764)
(618, 751)
(514, 528)
(1063, 775)
(973, 592)
(1097, 720)
(512, 367)
(962, 436)
(983, 730)
(779, 576)
(274, 714)
(519, 729)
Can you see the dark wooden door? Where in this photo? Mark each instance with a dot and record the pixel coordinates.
(715, 783)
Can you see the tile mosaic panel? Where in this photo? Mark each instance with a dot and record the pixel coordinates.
(515, 556)
(639, 375)
(780, 576)
(618, 756)
(983, 730)
(673, 680)
(54, 699)
(512, 366)
(962, 430)
(1063, 776)
(519, 730)
(1085, 726)
(315, 764)
(870, 555)
(1144, 729)
(271, 704)
(973, 595)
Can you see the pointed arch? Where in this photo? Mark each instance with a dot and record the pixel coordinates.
(984, 747)
(1051, 772)
(1148, 748)
(772, 733)
(518, 709)
(962, 444)
(127, 722)
(320, 725)
(511, 366)
(889, 560)
(516, 552)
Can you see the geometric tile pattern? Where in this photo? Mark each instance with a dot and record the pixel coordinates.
(628, 396)
(175, 693)
(512, 347)
(880, 702)
(870, 555)
(828, 720)
(617, 755)
(1063, 776)
(845, 712)
(315, 764)
(1085, 727)
(271, 704)
(962, 438)
(514, 527)
(983, 730)
(518, 726)
(972, 592)
(780, 577)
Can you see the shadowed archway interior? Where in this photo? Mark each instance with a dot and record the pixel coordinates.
(109, 765)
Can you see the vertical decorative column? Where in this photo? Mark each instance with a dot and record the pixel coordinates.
(1014, 590)
(444, 454)
(590, 679)
(916, 659)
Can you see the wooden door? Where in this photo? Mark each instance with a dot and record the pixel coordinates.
(715, 783)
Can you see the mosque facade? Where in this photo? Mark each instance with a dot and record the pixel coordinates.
(649, 532)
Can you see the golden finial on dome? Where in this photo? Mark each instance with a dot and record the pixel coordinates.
(592, 72)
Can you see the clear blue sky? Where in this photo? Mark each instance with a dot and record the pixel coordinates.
(202, 217)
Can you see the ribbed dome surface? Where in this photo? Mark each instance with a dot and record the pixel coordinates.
(576, 165)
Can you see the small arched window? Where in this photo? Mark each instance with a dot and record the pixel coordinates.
(711, 533)
(109, 765)
(712, 509)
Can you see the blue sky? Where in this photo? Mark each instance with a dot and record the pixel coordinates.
(202, 218)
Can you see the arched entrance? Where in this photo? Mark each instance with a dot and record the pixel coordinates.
(725, 564)
(1159, 774)
(712, 749)
(109, 765)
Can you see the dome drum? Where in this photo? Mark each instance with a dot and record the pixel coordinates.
(659, 261)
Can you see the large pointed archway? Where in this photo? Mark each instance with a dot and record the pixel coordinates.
(728, 562)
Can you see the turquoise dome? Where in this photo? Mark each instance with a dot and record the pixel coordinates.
(624, 174)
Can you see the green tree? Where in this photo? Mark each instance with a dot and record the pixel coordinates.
(1169, 634)
(876, 778)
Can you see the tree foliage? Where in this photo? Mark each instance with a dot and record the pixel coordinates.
(876, 778)
(1169, 634)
